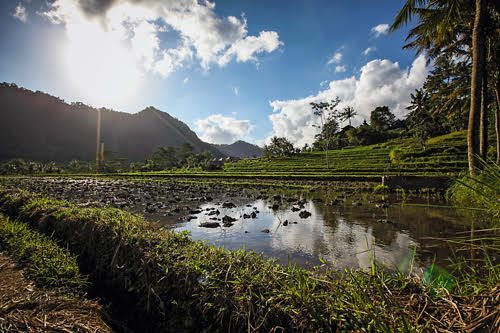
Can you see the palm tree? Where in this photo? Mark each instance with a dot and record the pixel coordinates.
(419, 101)
(475, 87)
(348, 114)
(497, 115)
(443, 27)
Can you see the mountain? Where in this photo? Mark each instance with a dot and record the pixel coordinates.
(37, 126)
(240, 149)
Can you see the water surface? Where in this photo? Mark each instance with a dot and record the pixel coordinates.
(346, 235)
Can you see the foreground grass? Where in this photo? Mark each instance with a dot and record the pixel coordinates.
(46, 263)
(177, 283)
(41, 287)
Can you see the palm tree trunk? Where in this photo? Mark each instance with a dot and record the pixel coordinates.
(98, 143)
(475, 96)
(497, 117)
(483, 130)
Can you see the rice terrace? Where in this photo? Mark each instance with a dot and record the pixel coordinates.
(324, 166)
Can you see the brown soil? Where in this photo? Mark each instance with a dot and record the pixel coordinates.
(25, 307)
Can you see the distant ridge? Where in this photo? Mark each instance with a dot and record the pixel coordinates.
(240, 149)
(41, 127)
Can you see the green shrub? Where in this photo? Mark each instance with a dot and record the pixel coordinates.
(381, 189)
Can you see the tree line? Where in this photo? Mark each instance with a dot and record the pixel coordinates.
(164, 158)
(383, 126)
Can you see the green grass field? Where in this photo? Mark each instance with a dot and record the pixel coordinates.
(444, 156)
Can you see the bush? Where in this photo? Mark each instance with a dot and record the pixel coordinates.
(381, 189)
(396, 155)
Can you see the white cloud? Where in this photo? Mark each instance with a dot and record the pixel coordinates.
(381, 29)
(203, 34)
(340, 69)
(381, 82)
(217, 128)
(246, 49)
(185, 81)
(172, 59)
(20, 13)
(369, 50)
(335, 58)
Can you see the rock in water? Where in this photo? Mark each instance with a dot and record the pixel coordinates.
(228, 205)
(209, 225)
(227, 221)
(304, 214)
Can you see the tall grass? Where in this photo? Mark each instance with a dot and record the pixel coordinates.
(482, 191)
(44, 261)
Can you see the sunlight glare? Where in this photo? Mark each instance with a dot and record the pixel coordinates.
(100, 65)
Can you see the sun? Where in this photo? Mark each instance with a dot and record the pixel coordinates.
(101, 66)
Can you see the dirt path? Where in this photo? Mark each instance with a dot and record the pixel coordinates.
(25, 307)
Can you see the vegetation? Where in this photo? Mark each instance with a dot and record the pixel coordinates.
(463, 37)
(279, 147)
(482, 191)
(168, 158)
(444, 155)
(165, 158)
(328, 115)
(383, 126)
(47, 263)
(178, 283)
(56, 301)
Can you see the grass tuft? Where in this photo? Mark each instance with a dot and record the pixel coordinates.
(46, 263)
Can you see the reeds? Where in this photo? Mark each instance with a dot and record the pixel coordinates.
(482, 191)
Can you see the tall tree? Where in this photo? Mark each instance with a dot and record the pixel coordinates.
(347, 114)
(448, 87)
(476, 82)
(381, 118)
(279, 146)
(327, 113)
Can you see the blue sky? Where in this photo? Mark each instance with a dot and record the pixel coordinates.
(229, 69)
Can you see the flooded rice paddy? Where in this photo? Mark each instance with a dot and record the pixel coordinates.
(350, 228)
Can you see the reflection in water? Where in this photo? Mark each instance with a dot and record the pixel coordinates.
(347, 237)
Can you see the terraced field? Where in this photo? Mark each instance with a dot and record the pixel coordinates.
(444, 156)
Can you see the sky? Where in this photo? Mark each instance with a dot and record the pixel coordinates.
(230, 69)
